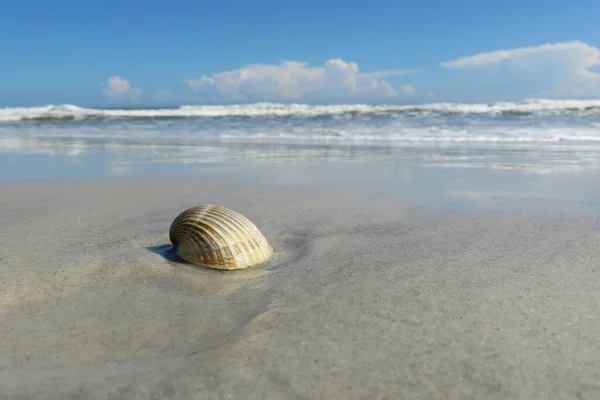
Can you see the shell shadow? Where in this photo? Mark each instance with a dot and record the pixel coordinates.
(167, 251)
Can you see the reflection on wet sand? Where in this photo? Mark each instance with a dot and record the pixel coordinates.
(527, 159)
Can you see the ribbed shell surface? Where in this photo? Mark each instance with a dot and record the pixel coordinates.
(216, 237)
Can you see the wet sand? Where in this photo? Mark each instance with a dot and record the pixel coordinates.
(372, 293)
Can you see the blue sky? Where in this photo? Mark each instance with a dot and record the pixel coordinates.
(183, 52)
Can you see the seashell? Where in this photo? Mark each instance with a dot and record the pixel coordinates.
(216, 237)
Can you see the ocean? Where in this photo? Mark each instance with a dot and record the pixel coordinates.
(535, 136)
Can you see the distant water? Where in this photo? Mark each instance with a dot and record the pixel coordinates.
(535, 135)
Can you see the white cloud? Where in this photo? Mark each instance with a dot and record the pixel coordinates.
(556, 69)
(119, 88)
(409, 89)
(292, 80)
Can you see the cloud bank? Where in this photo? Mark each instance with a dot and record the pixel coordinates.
(118, 89)
(292, 80)
(555, 69)
(559, 70)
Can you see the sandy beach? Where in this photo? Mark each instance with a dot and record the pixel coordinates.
(372, 293)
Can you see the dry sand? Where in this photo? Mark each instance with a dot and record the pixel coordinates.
(369, 296)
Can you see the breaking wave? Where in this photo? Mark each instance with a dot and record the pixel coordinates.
(529, 107)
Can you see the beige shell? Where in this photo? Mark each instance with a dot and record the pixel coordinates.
(216, 237)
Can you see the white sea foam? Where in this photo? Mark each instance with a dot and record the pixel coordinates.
(563, 133)
(71, 112)
(391, 133)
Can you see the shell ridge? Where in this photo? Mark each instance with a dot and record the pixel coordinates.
(241, 239)
(199, 237)
(214, 249)
(250, 230)
(177, 223)
(223, 239)
(231, 235)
